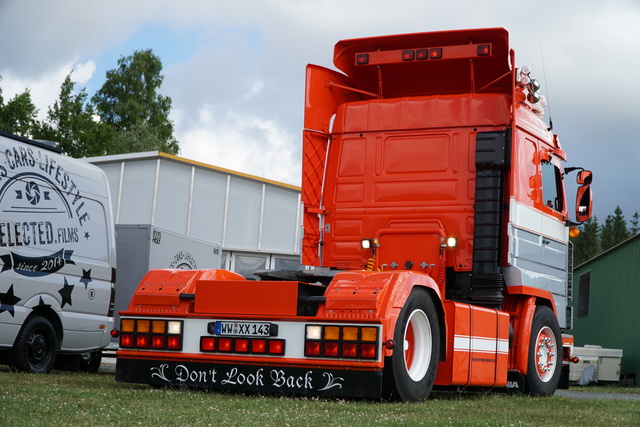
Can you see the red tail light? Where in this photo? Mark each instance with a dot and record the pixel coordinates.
(331, 349)
(225, 345)
(207, 343)
(349, 350)
(312, 348)
(142, 341)
(241, 345)
(174, 343)
(276, 347)
(259, 346)
(157, 341)
(368, 351)
(126, 340)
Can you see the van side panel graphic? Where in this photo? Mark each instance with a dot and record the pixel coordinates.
(57, 249)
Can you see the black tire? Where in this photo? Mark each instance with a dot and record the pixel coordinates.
(35, 348)
(545, 354)
(85, 362)
(410, 372)
(90, 362)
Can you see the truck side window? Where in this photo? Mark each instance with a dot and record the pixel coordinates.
(552, 195)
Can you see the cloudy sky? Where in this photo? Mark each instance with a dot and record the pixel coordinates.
(235, 69)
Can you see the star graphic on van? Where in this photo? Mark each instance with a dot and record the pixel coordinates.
(86, 277)
(86, 235)
(8, 300)
(65, 293)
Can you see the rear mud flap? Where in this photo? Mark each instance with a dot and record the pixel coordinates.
(515, 382)
(268, 379)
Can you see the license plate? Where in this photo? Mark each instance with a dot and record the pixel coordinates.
(252, 329)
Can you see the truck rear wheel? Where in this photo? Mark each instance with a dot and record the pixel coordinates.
(411, 370)
(545, 352)
(35, 348)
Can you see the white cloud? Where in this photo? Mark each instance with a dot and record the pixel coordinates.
(45, 88)
(241, 142)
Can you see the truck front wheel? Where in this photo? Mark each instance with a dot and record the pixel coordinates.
(410, 371)
(35, 348)
(545, 352)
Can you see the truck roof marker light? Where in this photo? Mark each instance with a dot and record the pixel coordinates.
(362, 58)
(408, 55)
(484, 49)
(435, 53)
(422, 54)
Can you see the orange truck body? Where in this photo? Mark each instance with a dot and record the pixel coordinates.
(436, 219)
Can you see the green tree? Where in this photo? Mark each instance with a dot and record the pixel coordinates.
(19, 115)
(70, 122)
(129, 102)
(635, 228)
(614, 230)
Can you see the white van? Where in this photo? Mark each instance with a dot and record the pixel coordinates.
(57, 258)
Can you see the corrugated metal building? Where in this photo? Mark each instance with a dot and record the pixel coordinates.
(256, 220)
(606, 303)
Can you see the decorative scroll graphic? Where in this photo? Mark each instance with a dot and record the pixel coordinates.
(258, 378)
(36, 266)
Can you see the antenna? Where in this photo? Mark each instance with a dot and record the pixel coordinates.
(546, 87)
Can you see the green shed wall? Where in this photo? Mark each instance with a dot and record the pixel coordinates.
(613, 320)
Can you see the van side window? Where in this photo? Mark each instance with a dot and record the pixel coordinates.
(552, 195)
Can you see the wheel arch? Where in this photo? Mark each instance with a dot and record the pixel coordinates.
(42, 305)
(417, 281)
(521, 303)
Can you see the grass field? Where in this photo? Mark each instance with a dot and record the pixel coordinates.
(80, 399)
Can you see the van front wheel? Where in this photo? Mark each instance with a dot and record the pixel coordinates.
(35, 348)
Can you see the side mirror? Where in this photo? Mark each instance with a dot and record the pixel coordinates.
(584, 202)
(584, 177)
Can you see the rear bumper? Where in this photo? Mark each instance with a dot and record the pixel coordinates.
(314, 380)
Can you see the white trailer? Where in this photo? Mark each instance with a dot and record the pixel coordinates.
(143, 247)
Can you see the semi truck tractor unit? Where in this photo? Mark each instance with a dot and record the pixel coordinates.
(436, 229)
